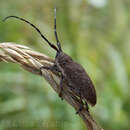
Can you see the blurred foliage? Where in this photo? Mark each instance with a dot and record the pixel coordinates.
(94, 33)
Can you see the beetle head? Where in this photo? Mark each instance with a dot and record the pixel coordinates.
(63, 59)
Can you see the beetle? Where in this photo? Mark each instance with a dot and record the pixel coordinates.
(70, 71)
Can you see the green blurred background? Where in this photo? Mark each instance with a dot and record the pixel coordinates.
(96, 34)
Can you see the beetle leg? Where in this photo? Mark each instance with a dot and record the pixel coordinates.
(81, 107)
(51, 68)
(61, 86)
(87, 108)
(46, 67)
(81, 103)
(54, 68)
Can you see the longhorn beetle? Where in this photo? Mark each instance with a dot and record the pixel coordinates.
(71, 72)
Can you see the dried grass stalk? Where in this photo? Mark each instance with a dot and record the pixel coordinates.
(32, 61)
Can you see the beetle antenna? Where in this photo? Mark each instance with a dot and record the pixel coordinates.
(55, 32)
(49, 43)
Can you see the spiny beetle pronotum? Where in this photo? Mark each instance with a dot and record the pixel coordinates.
(71, 72)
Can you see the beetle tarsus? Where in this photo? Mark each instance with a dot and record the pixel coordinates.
(80, 109)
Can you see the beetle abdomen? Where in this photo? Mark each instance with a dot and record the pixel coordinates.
(80, 83)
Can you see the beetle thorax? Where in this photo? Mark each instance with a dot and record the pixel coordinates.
(62, 60)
